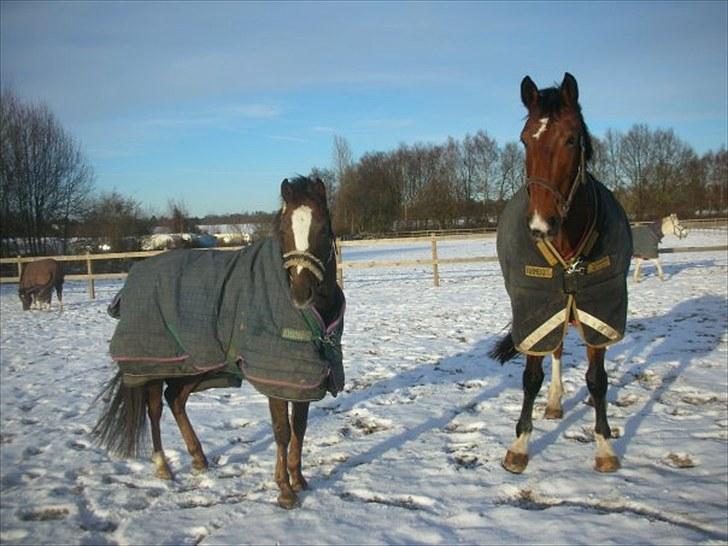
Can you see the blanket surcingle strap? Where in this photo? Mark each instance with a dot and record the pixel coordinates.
(225, 316)
(548, 291)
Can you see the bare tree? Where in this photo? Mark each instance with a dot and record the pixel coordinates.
(116, 220)
(45, 179)
(510, 175)
(178, 220)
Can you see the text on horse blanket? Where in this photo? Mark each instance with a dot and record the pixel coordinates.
(546, 291)
(226, 315)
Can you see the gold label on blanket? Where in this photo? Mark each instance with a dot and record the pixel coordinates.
(601, 263)
(540, 272)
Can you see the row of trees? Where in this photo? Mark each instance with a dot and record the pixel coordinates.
(46, 184)
(47, 195)
(467, 182)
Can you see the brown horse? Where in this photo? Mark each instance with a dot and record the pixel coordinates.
(564, 247)
(304, 279)
(37, 282)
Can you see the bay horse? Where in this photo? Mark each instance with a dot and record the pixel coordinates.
(37, 281)
(647, 237)
(270, 313)
(564, 247)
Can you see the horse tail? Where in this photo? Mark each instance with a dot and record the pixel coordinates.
(504, 349)
(121, 428)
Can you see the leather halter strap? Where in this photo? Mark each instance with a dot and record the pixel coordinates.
(563, 203)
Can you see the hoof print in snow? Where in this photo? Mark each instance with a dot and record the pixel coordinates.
(47, 513)
(679, 460)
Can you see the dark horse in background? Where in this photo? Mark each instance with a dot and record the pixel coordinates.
(37, 282)
(564, 247)
(303, 258)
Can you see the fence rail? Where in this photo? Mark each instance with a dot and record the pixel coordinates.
(434, 261)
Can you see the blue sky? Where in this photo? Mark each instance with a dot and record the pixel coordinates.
(215, 103)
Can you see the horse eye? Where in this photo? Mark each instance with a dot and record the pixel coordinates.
(571, 141)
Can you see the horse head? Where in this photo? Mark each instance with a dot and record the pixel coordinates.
(26, 298)
(307, 240)
(557, 147)
(672, 224)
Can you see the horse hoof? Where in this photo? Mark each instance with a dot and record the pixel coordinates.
(164, 474)
(609, 463)
(299, 485)
(553, 413)
(199, 467)
(287, 501)
(515, 462)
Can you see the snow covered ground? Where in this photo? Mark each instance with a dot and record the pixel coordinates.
(411, 452)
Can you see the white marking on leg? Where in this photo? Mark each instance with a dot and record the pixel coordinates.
(556, 388)
(659, 269)
(301, 225)
(520, 444)
(638, 264)
(537, 223)
(604, 448)
(544, 123)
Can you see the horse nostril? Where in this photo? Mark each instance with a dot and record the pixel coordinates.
(554, 225)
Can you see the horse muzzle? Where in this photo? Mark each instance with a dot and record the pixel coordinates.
(543, 228)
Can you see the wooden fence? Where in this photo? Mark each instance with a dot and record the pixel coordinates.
(434, 261)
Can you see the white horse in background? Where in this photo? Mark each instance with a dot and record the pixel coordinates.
(647, 237)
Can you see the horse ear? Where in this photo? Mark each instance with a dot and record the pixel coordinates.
(286, 190)
(529, 92)
(569, 89)
(320, 188)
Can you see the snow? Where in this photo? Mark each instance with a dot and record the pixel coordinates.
(411, 452)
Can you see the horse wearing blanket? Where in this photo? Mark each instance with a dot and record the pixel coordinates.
(564, 247)
(647, 237)
(271, 313)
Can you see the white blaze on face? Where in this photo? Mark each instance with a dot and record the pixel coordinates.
(544, 123)
(537, 223)
(301, 225)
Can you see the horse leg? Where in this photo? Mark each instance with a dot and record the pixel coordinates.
(282, 434)
(299, 420)
(516, 458)
(556, 388)
(59, 294)
(177, 399)
(154, 407)
(637, 265)
(659, 269)
(596, 381)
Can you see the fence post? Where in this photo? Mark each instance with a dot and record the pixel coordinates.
(89, 272)
(339, 271)
(20, 269)
(435, 269)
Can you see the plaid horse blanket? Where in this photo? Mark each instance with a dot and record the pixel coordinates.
(646, 239)
(548, 291)
(225, 316)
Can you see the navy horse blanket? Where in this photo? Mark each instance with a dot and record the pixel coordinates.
(547, 291)
(225, 316)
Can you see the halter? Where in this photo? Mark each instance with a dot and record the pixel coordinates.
(307, 261)
(678, 230)
(563, 203)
